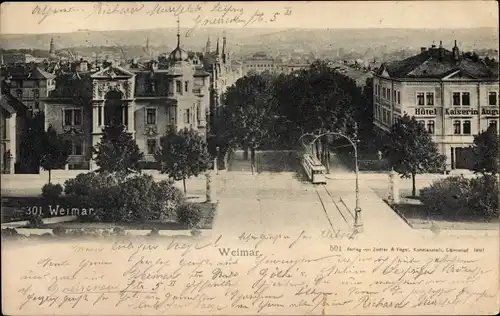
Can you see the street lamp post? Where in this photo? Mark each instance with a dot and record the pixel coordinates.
(358, 224)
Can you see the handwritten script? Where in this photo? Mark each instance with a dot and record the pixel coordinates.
(244, 275)
(193, 15)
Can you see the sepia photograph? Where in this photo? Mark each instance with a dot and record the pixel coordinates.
(250, 158)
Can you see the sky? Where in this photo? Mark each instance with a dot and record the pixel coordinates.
(60, 17)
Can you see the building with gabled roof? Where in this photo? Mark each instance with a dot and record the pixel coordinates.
(12, 125)
(455, 95)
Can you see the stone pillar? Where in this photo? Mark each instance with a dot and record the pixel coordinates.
(95, 117)
(130, 117)
(92, 164)
(393, 197)
(210, 187)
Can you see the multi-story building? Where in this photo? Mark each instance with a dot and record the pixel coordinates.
(261, 62)
(176, 90)
(12, 125)
(30, 85)
(455, 95)
(223, 74)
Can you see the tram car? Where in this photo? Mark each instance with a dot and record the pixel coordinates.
(315, 171)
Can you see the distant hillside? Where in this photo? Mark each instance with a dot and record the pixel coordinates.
(365, 41)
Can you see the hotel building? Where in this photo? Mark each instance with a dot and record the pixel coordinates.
(455, 95)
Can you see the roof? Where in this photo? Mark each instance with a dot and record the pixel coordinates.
(201, 73)
(11, 104)
(39, 74)
(437, 63)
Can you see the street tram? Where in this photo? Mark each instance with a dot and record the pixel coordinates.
(315, 171)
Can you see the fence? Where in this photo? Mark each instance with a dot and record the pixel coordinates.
(347, 158)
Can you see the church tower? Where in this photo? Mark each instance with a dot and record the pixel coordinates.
(224, 49)
(208, 47)
(51, 49)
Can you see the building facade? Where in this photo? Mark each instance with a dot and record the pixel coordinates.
(12, 126)
(175, 91)
(261, 62)
(454, 95)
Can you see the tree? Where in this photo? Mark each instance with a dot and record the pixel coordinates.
(183, 154)
(485, 148)
(411, 150)
(248, 115)
(318, 100)
(117, 151)
(55, 151)
(32, 143)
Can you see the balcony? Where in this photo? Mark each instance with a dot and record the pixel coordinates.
(198, 91)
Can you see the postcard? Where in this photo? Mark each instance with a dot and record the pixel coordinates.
(250, 158)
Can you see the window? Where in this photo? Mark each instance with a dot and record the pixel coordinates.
(466, 129)
(150, 116)
(456, 127)
(388, 93)
(465, 98)
(198, 110)
(151, 143)
(36, 93)
(77, 117)
(494, 124)
(72, 117)
(492, 99)
(430, 98)
(376, 88)
(420, 98)
(394, 95)
(430, 127)
(76, 148)
(99, 116)
(383, 92)
(4, 130)
(68, 117)
(178, 86)
(456, 98)
(188, 116)
(399, 97)
(37, 105)
(19, 93)
(186, 86)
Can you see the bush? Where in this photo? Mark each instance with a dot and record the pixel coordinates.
(137, 199)
(168, 199)
(50, 191)
(124, 199)
(189, 214)
(458, 197)
(8, 232)
(100, 191)
(484, 198)
(59, 231)
(35, 221)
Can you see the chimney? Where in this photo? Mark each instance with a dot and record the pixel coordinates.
(440, 44)
(423, 49)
